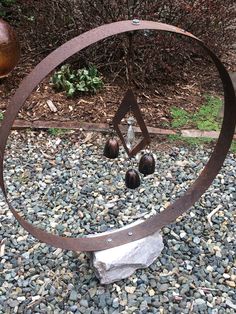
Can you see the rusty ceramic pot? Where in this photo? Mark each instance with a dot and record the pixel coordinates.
(9, 49)
(132, 179)
(147, 164)
(111, 149)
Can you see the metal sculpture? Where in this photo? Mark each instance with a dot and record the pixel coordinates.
(181, 205)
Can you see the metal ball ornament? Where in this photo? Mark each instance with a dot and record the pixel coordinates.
(111, 149)
(147, 164)
(9, 49)
(132, 179)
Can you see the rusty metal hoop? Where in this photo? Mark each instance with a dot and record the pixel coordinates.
(169, 215)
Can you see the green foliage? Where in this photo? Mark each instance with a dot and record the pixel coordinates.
(74, 81)
(233, 147)
(1, 116)
(165, 124)
(196, 141)
(192, 141)
(180, 117)
(204, 119)
(174, 138)
(57, 132)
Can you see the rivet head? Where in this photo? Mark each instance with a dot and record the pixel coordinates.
(109, 240)
(130, 233)
(135, 22)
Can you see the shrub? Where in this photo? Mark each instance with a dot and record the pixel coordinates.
(155, 57)
(156, 54)
(4, 7)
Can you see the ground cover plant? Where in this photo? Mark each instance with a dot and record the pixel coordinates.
(57, 131)
(196, 141)
(206, 118)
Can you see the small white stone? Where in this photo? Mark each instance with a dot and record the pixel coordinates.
(209, 304)
(196, 240)
(181, 163)
(22, 238)
(130, 289)
(2, 248)
(35, 298)
(21, 299)
(230, 304)
(182, 234)
(209, 268)
(151, 292)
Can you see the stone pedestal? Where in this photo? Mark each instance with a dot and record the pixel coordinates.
(122, 261)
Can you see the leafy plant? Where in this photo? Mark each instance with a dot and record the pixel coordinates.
(206, 118)
(57, 132)
(1, 116)
(73, 81)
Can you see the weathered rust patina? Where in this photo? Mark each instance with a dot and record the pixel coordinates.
(181, 205)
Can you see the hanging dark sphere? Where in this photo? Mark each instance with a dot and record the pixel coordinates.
(132, 179)
(111, 149)
(9, 49)
(147, 164)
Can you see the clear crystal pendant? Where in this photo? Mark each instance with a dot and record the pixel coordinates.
(130, 133)
(130, 106)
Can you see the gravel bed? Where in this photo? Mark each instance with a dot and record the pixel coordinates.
(66, 186)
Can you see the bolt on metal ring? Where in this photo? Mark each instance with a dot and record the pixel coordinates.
(136, 22)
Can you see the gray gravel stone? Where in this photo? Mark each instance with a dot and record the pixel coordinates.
(87, 195)
(73, 295)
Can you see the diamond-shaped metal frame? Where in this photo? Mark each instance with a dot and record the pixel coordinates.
(129, 104)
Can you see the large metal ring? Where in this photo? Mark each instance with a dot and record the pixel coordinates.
(169, 215)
